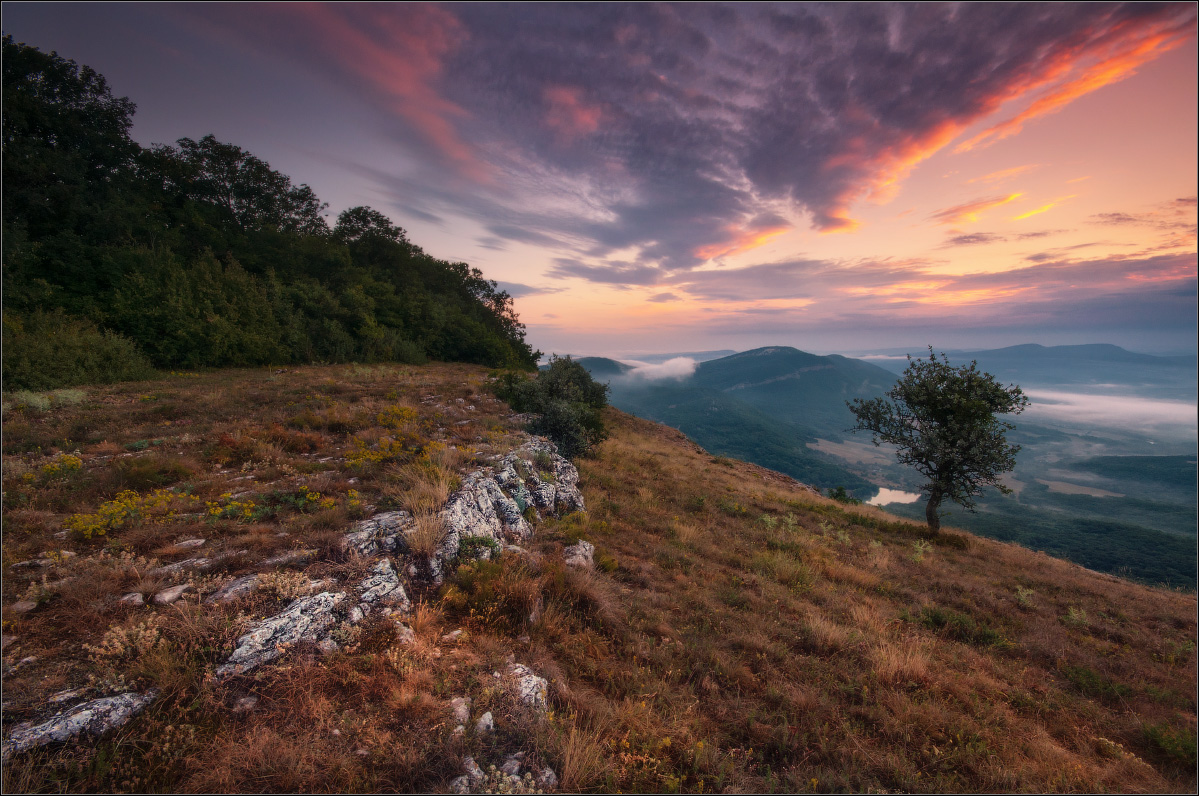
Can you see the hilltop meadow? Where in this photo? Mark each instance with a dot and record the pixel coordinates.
(735, 630)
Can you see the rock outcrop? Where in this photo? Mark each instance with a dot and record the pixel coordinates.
(306, 619)
(94, 718)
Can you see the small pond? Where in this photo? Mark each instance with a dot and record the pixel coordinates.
(886, 496)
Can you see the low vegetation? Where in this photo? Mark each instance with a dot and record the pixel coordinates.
(739, 631)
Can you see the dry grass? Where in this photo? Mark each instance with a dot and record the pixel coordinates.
(426, 535)
(747, 634)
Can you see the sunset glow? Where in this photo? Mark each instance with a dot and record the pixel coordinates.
(656, 178)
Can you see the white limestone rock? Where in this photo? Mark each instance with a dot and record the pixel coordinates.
(580, 554)
(485, 725)
(460, 708)
(234, 590)
(378, 534)
(531, 690)
(305, 619)
(179, 567)
(94, 718)
(172, 595)
(383, 586)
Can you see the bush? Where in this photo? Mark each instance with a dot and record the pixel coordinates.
(566, 400)
(47, 350)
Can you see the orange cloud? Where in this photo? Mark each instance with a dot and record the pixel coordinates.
(999, 176)
(401, 57)
(1043, 208)
(742, 240)
(1110, 70)
(970, 211)
(888, 166)
(568, 114)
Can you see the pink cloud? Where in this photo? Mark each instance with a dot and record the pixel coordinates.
(568, 114)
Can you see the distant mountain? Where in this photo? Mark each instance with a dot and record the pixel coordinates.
(763, 405)
(793, 385)
(602, 368)
(698, 356)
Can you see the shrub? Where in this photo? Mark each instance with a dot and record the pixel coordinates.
(566, 400)
(46, 350)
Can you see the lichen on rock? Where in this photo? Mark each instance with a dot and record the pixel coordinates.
(305, 619)
(94, 718)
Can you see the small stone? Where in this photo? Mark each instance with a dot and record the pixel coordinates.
(453, 635)
(546, 778)
(7, 641)
(61, 535)
(327, 646)
(234, 590)
(172, 595)
(64, 696)
(460, 708)
(355, 615)
(530, 689)
(245, 704)
(511, 764)
(404, 634)
(460, 784)
(186, 543)
(580, 555)
(133, 598)
(473, 772)
(22, 606)
(460, 730)
(485, 724)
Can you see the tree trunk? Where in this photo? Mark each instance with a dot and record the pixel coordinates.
(931, 512)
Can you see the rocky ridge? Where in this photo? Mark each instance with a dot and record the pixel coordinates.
(488, 515)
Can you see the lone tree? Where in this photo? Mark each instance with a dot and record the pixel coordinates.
(944, 422)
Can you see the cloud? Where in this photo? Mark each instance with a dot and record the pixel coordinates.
(970, 211)
(677, 368)
(664, 297)
(517, 290)
(568, 114)
(667, 134)
(611, 273)
(1148, 415)
(973, 239)
(1005, 174)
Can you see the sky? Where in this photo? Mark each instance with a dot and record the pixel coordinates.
(654, 178)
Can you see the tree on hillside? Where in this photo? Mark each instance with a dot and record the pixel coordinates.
(66, 139)
(944, 422)
(248, 191)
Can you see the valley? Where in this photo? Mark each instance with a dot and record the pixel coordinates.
(1106, 475)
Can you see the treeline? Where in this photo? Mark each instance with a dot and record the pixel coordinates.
(117, 257)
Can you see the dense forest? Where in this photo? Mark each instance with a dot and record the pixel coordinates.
(119, 258)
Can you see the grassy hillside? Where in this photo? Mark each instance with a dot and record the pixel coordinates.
(738, 632)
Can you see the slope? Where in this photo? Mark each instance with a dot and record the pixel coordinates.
(736, 633)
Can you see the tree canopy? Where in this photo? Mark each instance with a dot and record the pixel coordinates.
(944, 421)
(200, 254)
